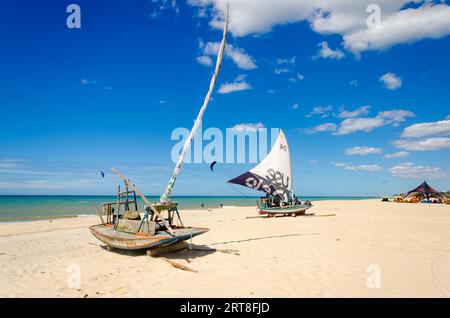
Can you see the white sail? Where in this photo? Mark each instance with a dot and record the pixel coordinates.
(272, 175)
(165, 197)
(276, 166)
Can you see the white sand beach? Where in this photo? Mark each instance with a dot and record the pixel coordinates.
(369, 249)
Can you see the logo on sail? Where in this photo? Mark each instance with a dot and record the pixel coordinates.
(258, 184)
(277, 178)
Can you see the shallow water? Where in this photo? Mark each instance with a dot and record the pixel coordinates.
(30, 207)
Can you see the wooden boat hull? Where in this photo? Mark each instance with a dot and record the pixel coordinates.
(288, 210)
(129, 241)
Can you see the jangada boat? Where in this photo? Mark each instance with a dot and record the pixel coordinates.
(273, 175)
(161, 224)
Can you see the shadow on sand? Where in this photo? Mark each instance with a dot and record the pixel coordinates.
(264, 238)
(192, 252)
(195, 251)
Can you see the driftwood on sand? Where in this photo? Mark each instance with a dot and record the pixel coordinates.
(167, 249)
(178, 265)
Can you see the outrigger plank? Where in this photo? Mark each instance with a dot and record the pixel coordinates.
(167, 249)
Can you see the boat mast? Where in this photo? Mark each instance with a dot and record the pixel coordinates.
(165, 197)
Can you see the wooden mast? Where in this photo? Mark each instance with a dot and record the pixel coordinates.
(165, 197)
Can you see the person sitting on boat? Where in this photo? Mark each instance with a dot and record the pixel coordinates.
(295, 200)
(276, 201)
(265, 201)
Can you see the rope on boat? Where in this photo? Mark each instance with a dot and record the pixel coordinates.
(233, 187)
(190, 243)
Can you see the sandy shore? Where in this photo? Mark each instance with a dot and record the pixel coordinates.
(369, 249)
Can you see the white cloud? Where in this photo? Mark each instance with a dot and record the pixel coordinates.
(400, 27)
(88, 82)
(361, 111)
(270, 91)
(408, 170)
(240, 78)
(246, 127)
(363, 151)
(369, 168)
(53, 185)
(351, 125)
(295, 106)
(162, 6)
(286, 61)
(430, 144)
(323, 111)
(391, 81)
(254, 16)
(297, 77)
(346, 18)
(6, 164)
(327, 53)
(240, 58)
(396, 115)
(237, 55)
(399, 154)
(354, 83)
(227, 88)
(427, 129)
(239, 84)
(205, 60)
(321, 128)
(279, 71)
(367, 124)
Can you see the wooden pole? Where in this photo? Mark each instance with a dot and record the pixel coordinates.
(100, 215)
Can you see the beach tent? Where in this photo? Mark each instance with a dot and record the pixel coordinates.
(426, 192)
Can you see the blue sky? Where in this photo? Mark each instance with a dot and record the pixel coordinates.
(74, 101)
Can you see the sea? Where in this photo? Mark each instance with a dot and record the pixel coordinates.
(15, 208)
